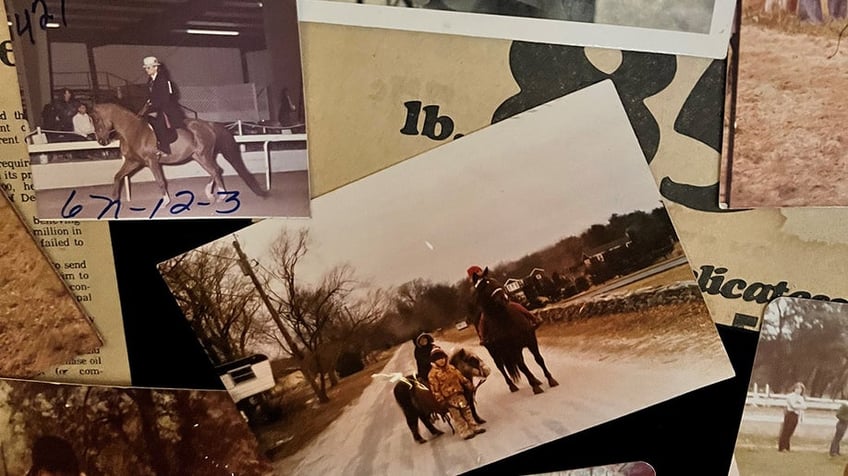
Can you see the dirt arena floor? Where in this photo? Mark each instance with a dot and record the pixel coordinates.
(40, 322)
(791, 144)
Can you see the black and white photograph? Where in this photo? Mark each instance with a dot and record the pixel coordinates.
(161, 110)
(453, 309)
(691, 27)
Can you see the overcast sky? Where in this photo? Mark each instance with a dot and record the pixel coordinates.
(498, 194)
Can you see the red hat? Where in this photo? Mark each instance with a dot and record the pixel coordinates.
(474, 270)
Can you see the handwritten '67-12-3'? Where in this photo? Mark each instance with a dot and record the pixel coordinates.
(110, 208)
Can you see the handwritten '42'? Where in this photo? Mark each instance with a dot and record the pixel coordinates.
(230, 204)
(25, 26)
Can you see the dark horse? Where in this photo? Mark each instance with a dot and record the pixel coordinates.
(507, 329)
(418, 403)
(200, 141)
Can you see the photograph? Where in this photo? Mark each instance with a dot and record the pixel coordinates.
(690, 27)
(68, 430)
(151, 110)
(636, 468)
(42, 323)
(788, 149)
(412, 294)
(796, 411)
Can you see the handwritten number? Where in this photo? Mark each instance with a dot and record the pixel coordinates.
(45, 17)
(27, 28)
(109, 204)
(74, 211)
(232, 197)
(156, 208)
(182, 207)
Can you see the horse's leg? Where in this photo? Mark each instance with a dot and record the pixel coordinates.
(472, 402)
(210, 165)
(501, 365)
(534, 349)
(534, 382)
(428, 423)
(129, 167)
(403, 397)
(156, 168)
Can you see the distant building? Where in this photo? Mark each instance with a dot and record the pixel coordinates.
(602, 254)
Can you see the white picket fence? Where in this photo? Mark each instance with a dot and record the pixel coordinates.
(764, 398)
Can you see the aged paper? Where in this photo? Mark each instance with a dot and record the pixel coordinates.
(81, 250)
(396, 93)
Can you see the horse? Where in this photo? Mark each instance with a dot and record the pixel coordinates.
(507, 329)
(200, 141)
(417, 403)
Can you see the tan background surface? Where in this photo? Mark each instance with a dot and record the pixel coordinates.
(358, 79)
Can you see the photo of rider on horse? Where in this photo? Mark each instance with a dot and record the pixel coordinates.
(162, 108)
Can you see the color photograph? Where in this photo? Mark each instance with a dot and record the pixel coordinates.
(495, 308)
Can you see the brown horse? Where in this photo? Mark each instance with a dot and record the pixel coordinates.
(200, 141)
(507, 329)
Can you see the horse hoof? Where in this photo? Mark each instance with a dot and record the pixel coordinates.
(513, 389)
(480, 421)
(438, 433)
(552, 383)
(421, 442)
(537, 390)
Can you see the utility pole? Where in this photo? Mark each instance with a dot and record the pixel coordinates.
(298, 355)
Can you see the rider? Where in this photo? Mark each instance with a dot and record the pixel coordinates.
(475, 274)
(162, 108)
(449, 387)
(423, 347)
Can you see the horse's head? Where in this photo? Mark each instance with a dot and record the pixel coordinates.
(469, 364)
(488, 290)
(103, 126)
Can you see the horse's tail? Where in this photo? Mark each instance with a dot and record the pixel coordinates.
(227, 146)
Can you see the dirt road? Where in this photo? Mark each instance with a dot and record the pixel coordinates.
(371, 437)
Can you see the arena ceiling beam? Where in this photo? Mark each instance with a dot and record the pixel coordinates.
(159, 22)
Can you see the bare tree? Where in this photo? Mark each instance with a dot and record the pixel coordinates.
(218, 301)
(321, 316)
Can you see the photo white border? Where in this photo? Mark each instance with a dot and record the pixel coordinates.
(711, 45)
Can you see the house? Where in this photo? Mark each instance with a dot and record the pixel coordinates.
(601, 254)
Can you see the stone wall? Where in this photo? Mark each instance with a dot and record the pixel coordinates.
(621, 302)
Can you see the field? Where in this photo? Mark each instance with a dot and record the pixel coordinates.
(791, 146)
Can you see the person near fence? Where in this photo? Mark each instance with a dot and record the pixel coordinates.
(164, 112)
(83, 125)
(794, 412)
(62, 112)
(841, 426)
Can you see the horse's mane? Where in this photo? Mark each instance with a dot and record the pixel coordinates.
(112, 109)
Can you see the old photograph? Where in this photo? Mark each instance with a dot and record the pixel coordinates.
(796, 412)
(166, 110)
(788, 146)
(48, 429)
(691, 27)
(43, 323)
(636, 468)
(455, 309)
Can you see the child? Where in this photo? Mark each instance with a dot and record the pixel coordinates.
(83, 125)
(448, 385)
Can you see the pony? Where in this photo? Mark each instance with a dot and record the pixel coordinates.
(200, 141)
(506, 329)
(417, 402)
